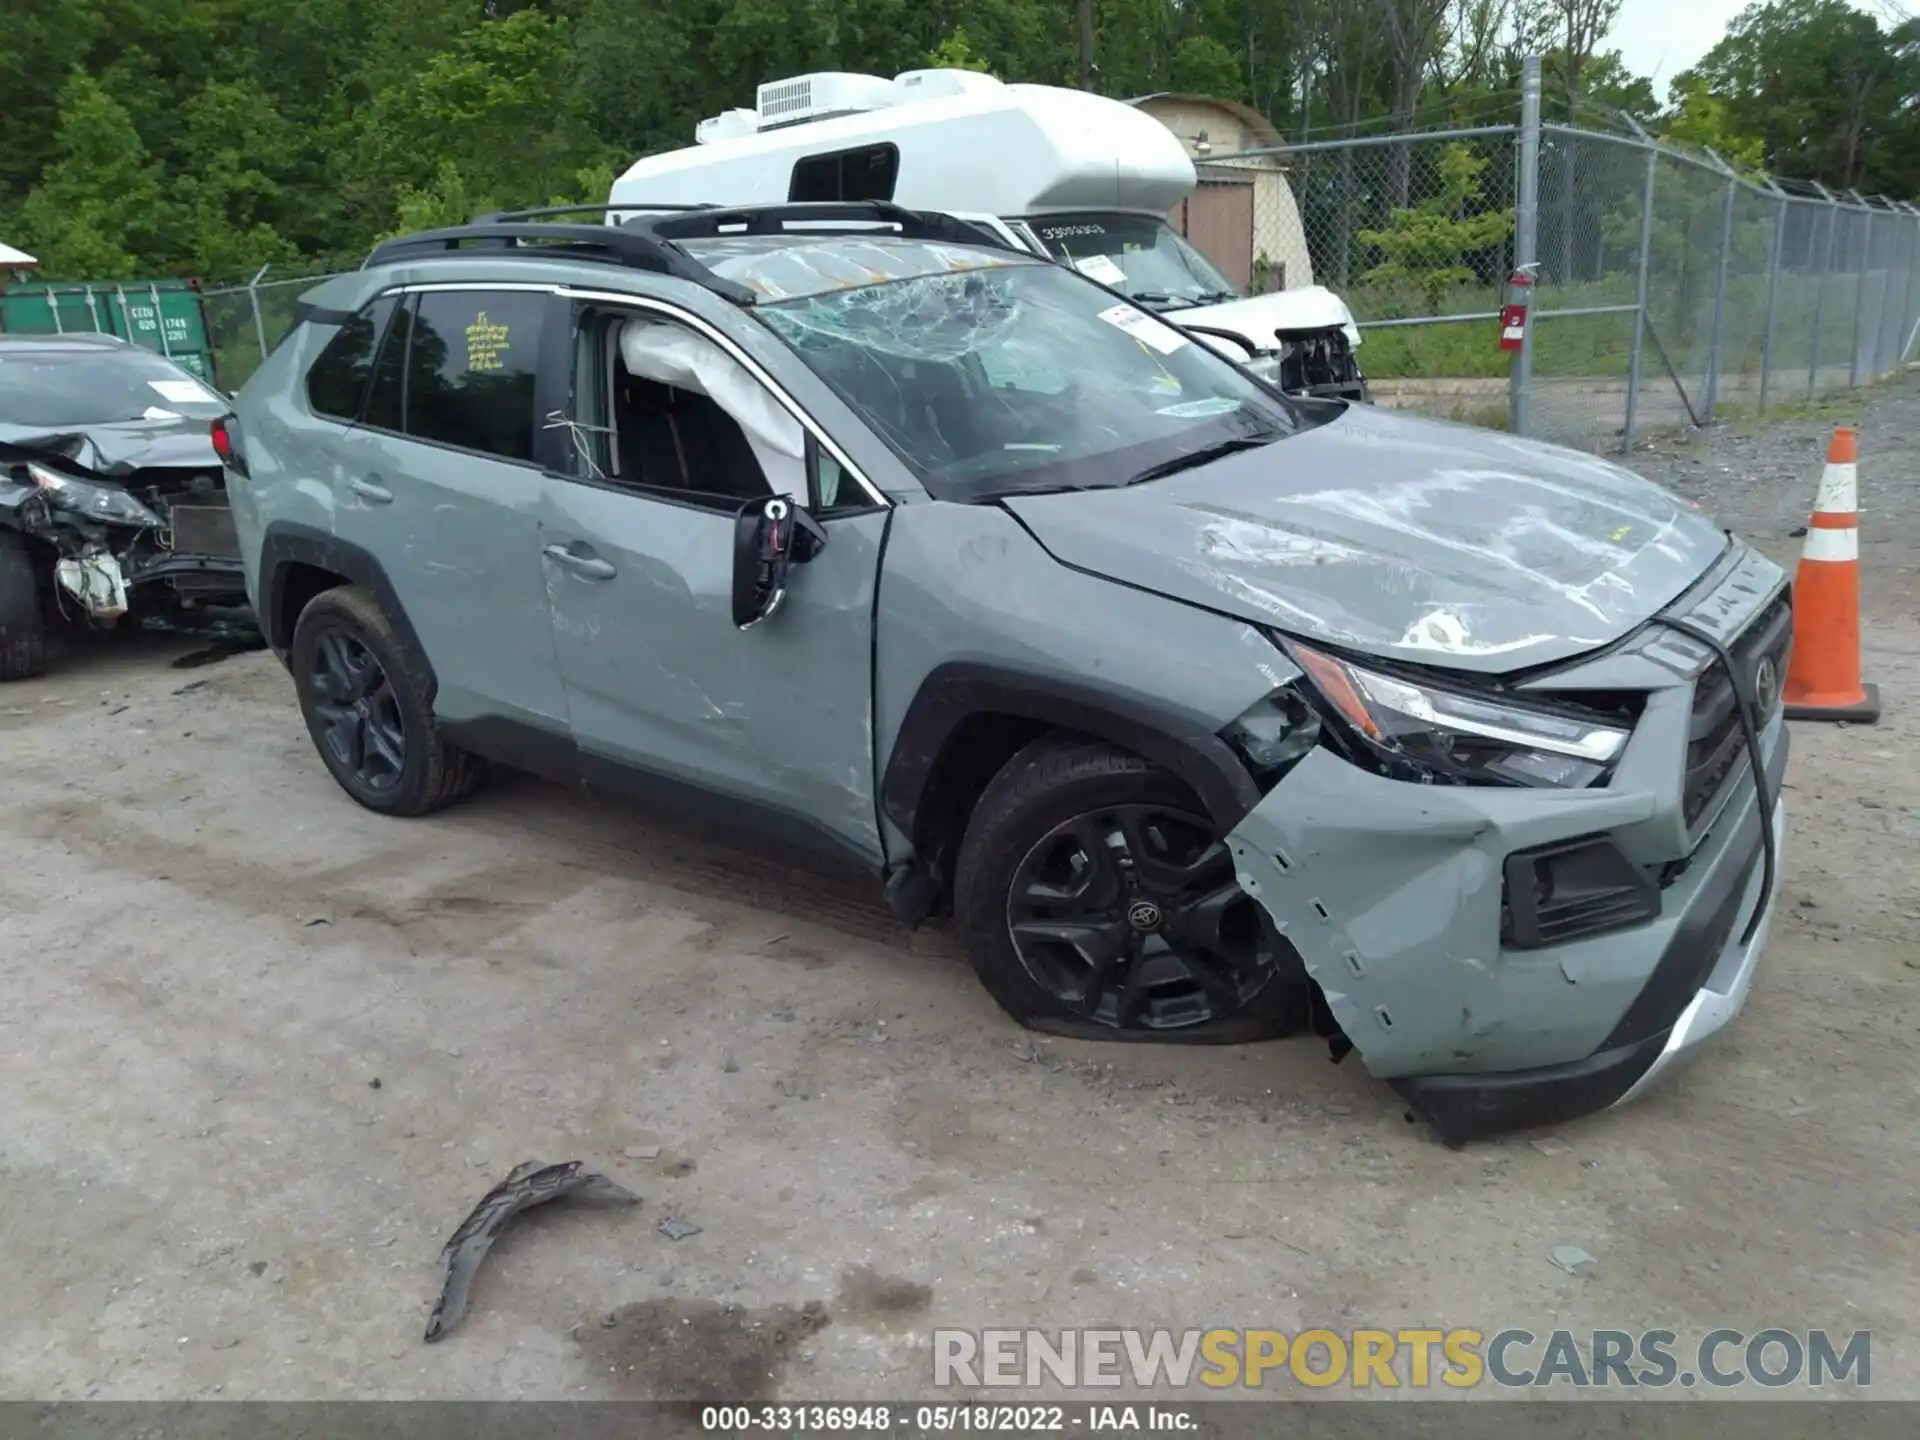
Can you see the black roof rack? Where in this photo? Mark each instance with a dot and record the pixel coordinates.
(811, 217)
(650, 240)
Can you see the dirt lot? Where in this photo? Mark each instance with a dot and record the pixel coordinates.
(261, 1050)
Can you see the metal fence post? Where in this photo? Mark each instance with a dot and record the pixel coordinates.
(259, 324)
(1720, 289)
(1860, 294)
(1640, 299)
(1773, 290)
(1820, 289)
(1913, 267)
(1526, 226)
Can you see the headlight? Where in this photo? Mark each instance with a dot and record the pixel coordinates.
(1425, 733)
(92, 502)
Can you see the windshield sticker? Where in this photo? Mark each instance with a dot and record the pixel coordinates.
(486, 343)
(154, 412)
(1144, 328)
(1067, 232)
(1101, 268)
(183, 392)
(1199, 409)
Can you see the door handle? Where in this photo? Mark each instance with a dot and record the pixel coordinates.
(590, 566)
(369, 491)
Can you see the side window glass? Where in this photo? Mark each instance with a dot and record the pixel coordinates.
(833, 488)
(384, 396)
(867, 173)
(338, 380)
(471, 368)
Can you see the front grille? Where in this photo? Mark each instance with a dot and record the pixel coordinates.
(1716, 743)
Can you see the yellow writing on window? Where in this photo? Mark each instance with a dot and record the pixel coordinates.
(486, 343)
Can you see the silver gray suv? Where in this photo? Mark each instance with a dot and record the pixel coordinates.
(1208, 713)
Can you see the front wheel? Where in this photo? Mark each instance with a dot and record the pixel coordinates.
(1096, 900)
(23, 631)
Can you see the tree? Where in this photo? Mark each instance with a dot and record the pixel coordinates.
(1820, 85)
(1426, 246)
(100, 209)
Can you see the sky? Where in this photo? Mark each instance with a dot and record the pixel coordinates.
(1660, 38)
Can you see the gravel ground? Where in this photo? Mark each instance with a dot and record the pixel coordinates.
(261, 1051)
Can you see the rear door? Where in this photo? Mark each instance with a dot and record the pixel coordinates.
(766, 730)
(441, 483)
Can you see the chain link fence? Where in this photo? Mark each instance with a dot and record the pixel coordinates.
(1671, 289)
(246, 322)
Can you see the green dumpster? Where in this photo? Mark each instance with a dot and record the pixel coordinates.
(160, 315)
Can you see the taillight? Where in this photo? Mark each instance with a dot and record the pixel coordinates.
(226, 444)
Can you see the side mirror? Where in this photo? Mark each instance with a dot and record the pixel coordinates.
(770, 537)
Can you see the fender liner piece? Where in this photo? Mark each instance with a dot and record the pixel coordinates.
(287, 544)
(954, 692)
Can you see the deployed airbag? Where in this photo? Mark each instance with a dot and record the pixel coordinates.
(674, 355)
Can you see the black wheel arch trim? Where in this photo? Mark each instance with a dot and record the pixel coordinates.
(287, 544)
(953, 693)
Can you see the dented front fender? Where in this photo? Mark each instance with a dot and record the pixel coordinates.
(1391, 893)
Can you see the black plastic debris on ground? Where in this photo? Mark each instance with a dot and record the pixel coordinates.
(226, 632)
(533, 1183)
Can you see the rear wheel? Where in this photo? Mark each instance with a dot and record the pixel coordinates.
(1097, 900)
(23, 633)
(365, 699)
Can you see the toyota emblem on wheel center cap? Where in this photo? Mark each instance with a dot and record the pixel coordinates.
(1143, 915)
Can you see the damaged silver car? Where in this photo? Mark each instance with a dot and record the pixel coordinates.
(112, 491)
(1207, 713)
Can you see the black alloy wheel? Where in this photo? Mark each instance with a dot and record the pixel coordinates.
(359, 715)
(1130, 916)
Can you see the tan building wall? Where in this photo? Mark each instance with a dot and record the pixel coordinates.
(1278, 234)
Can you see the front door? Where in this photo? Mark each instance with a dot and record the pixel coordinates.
(767, 729)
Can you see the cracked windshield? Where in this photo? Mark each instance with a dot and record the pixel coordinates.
(1024, 378)
(1139, 257)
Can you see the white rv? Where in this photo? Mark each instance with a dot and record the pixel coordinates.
(1068, 175)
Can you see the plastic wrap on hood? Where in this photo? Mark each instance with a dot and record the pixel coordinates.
(676, 356)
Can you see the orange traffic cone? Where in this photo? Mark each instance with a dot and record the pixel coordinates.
(1823, 677)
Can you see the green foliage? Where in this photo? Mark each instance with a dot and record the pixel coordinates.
(954, 53)
(210, 137)
(1427, 246)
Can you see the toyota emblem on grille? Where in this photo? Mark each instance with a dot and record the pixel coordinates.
(1766, 685)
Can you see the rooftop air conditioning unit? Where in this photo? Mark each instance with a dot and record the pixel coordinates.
(942, 84)
(727, 125)
(818, 97)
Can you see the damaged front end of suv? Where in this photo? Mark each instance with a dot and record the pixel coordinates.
(109, 529)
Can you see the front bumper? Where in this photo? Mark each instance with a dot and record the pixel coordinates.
(1392, 895)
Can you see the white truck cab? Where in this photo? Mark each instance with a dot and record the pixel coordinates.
(1076, 177)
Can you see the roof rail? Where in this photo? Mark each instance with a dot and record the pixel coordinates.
(623, 245)
(812, 217)
(650, 240)
(548, 212)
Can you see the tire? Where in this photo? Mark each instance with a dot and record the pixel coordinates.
(352, 672)
(1057, 789)
(23, 632)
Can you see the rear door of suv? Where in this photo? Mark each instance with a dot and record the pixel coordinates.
(441, 484)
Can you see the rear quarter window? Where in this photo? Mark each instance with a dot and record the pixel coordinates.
(337, 381)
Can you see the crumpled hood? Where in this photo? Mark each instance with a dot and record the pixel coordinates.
(1418, 540)
(118, 449)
